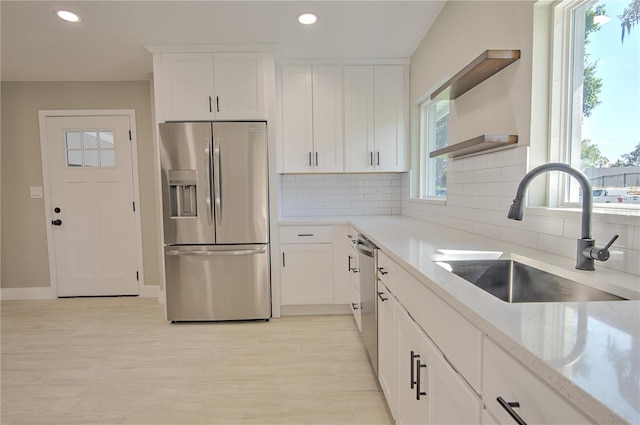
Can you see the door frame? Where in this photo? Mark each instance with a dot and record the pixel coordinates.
(46, 180)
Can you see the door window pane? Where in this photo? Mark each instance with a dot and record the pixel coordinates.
(72, 139)
(91, 158)
(74, 158)
(90, 148)
(107, 158)
(90, 139)
(106, 139)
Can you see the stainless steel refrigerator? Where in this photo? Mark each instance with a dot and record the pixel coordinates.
(216, 220)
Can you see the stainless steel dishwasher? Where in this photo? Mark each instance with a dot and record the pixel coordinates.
(368, 265)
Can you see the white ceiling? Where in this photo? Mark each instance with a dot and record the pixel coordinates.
(108, 44)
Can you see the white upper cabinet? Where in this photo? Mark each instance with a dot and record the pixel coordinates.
(187, 86)
(238, 86)
(375, 118)
(207, 86)
(312, 119)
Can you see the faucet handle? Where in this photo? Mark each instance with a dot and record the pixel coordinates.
(608, 245)
(600, 254)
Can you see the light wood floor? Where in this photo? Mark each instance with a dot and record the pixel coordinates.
(117, 361)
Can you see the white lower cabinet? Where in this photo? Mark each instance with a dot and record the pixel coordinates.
(388, 346)
(430, 391)
(306, 273)
(521, 393)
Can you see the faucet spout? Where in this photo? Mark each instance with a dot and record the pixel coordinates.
(586, 252)
(516, 210)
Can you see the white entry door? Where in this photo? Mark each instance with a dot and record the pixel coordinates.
(92, 201)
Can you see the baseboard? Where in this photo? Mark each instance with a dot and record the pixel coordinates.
(162, 296)
(149, 291)
(314, 309)
(36, 293)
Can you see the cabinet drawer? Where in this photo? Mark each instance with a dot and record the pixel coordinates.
(506, 377)
(387, 271)
(453, 334)
(306, 234)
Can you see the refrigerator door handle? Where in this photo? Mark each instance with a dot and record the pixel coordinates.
(216, 181)
(207, 170)
(177, 252)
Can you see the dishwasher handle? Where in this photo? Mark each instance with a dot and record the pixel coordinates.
(365, 249)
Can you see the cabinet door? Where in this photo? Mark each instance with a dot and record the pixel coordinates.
(413, 406)
(297, 119)
(507, 378)
(390, 118)
(452, 400)
(306, 274)
(387, 346)
(239, 86)
(327, 119)
(359, 119)
(188, 88)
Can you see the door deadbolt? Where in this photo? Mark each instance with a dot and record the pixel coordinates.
(57, 222)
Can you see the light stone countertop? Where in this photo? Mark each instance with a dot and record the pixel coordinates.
(587, 351)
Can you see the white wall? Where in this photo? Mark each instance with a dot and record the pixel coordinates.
(480, 189)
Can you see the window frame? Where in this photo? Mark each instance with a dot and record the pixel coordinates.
(565, 108)
(424, 181)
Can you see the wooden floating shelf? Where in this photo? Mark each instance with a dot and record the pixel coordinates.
(484, 66)
(486, 142)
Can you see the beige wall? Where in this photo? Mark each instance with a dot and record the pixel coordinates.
(463, 30)
(24, 239)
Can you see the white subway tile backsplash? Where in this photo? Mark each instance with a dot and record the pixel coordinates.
(341, 194)
(479, 192)
(519, 237)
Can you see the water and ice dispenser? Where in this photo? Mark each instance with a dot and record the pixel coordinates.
(182, 193)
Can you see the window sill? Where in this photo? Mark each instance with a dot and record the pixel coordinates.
(430, 200)
(602, 215)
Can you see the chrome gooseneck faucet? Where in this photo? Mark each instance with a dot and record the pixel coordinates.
(587, 252)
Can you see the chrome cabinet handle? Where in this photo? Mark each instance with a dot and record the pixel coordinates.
(508, 406)
(418, 367)
(380, 295)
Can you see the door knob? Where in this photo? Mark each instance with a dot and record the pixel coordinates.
(57, 222)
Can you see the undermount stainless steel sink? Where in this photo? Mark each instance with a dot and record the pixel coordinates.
(515, 282)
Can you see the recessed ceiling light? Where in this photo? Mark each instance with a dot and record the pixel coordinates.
(67, 16)
(307, 18)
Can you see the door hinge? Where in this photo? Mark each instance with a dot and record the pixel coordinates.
(134, 206)
(138, 276)
(130, 135)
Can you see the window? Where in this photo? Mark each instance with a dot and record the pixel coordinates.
(90, 148)
(599, 98)
(434, 134)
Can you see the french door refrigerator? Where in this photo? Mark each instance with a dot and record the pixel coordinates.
(216, 220)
